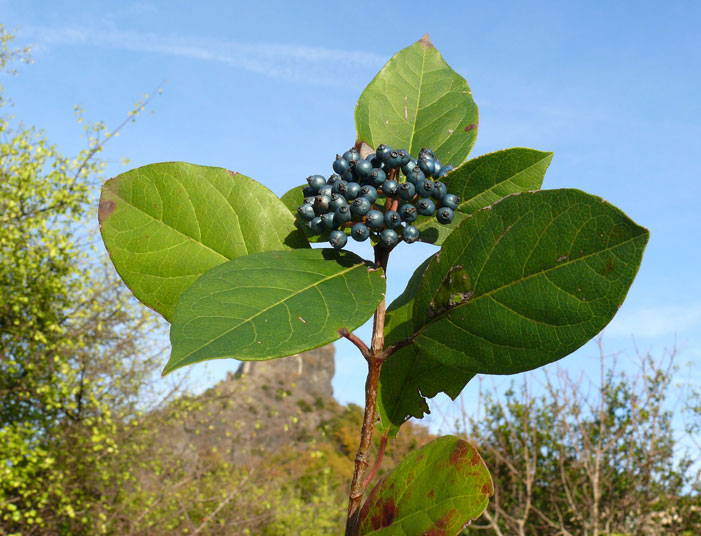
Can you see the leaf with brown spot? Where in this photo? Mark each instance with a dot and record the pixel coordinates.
(400, 504)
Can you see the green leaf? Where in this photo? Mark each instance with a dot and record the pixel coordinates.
(409, 377)
(273, 304)
(484, 180)
(526, 281)
(417, 100)
(166, 224)
(435, 490)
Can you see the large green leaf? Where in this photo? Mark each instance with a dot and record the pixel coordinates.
(273, 304)
(166, 224)
(486, 179)
(526, 281)
(409, 377)
(436, 490)
(417, 100)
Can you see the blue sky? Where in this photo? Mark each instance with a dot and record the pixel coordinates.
(269, 88)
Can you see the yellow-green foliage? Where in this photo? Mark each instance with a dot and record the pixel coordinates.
(66, 340)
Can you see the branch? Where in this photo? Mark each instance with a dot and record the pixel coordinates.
(394, 347)
(343, 332)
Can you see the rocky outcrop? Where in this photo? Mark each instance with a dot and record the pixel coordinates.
(261, 407)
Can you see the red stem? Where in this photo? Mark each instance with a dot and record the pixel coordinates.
(378, 461)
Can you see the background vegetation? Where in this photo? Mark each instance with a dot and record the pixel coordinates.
(86, 428)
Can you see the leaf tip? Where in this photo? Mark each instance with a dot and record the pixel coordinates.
(426, 41)
(170, 367)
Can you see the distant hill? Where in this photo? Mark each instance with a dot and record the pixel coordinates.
(268, 448)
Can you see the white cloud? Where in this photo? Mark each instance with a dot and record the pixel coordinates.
(316, 65)
(656, 321)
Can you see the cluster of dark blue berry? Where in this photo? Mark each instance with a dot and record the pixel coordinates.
(349, 197)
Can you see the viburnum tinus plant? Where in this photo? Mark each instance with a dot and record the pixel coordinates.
(523, 276)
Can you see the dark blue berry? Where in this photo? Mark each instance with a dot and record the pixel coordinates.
(444, 215)
(408, 213)
(389, 238)
(369, 192)
(321, 203)
(414, 175)
(343, 214)
(450, 201)
(338, 239)
(348, 175)
(426, 152)
(410, 234)
(362, 168)
(404, 157)
(333, 179)
(439, 191)
(374, 219)
(339, 187)
(316, 226)
(377, 176)
(392, 159)
(424, 187)
(306, 212)
(426, 165)
(340, 165)
(360, 206)
(316, 182)
(351, 155)
(382, 151)
(352, 191)
(444, 170)
(389, 188)
(425, 207)
(337, 200)
(360, 232)
(436, 167)
(406, 191)
(326, 189)
(392, 219)
(308, 191)
(330, 220)
(411, 164)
